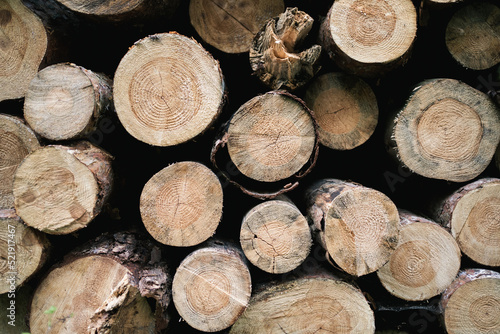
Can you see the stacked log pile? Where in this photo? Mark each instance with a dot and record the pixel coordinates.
(249, 166)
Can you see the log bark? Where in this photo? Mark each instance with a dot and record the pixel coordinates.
(60, 189)
(271, 137)
(181, 205)
(17, 140)
(212, 287)
(473, 36)
(275, 236)
(369, 38)
(66, 101)
(167, 89)
(472, 214)
(230, 26)
(104, 287)
(275, 55)
(346, 110)
(24, 251)
(122, 10)
(23, 43)
(356, 225)
(471, 303)
(425, 261)
(447, 130)
(311, 304)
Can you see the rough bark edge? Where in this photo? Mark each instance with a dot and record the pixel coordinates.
(257, 63)
(464, 276)
(442, 210)
(42, 238)
(142, 257)
(103, 98)
(222, 138)
(99, 163)
(346, 63)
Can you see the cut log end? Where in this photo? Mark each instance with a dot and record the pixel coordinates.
(447, 130)
(473, 36)
(211, 288)
(369, 38)
(23, 252)
(230, 26)
(357, 226)
(59, 189)
(472, 301)
(307, 305)
(168, 89)
(271, 137)
(182, 204)
(345, 108)
(475, 220)
(23, 44)
(275, 54)
(17, 140)
(275, 236)
(103, 287)
(65, 101)
(424, 263)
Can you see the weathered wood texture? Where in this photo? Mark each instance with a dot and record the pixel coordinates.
(181, 205)
(307, 305)
(369, 38)
(66, 101)
(60, 189)
(212, 287)
(275, 55)
(167, 89)
(103, 287)
(425, 261)
(345, 107)
(17, 140)
(447, 130)
(275, 236)
(472, 214)
(357, 226)
(230, 26)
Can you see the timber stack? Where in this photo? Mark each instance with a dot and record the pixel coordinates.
(249, 166)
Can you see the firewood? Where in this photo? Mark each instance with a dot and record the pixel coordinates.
(369, 38)
(66, 101)
(230, 26)
(311, 304)
(471, 303)
(472, 214)
(24, 251)
(356, 225)
(167, 89)
(60, 189)
(425, 262)
(346, 110)
(473, 35)
(275, 55)
(121, 10)
(103, 287)
(212, 287)
(275, 236)
(17, 141)
(181, 205)
(271, 137)
(447, 130)
(23, 43)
